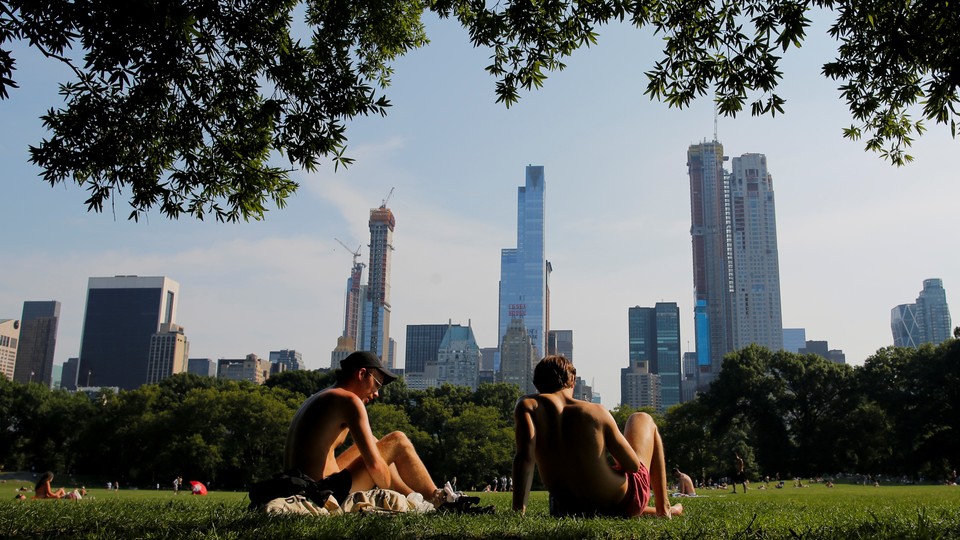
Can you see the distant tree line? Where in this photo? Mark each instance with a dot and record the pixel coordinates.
(782, 412)
(898, 414)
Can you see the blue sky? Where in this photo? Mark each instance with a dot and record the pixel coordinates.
(857, 236)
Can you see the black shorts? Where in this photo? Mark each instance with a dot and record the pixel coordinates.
(339, 483)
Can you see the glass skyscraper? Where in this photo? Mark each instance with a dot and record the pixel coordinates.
(38, 342)
(654, 349)
(926, 321)
(523, 270)
(122, 314)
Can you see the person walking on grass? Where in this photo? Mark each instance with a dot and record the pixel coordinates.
(568, 441)
(323, 422)
(738, 475)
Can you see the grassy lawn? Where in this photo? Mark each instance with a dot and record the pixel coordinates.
(845, 512)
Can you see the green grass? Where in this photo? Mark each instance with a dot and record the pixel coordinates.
(845, 512)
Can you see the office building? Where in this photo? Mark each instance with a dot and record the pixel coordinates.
(654, 349)
(489, 357)
(169, 351)
(458, 357)
(345, 346)
(639, 387)
(794, 339)
(735, 256)
(38, 342)
(9, 337)
(122, 313)
(518, 356)
(688, 385)
(422, 346)
(375, 334)
(560, 342)
(926, 321)
(523, 272)
(822, 349)
(291, 359)
(68, 377)
(204, 367)
(250, 368)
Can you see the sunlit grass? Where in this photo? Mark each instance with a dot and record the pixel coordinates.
(846, 512)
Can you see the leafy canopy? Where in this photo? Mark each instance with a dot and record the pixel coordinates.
(182, 105)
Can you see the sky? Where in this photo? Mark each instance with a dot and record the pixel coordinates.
(857, 236)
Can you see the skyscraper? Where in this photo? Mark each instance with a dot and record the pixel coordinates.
(736, 269)
(712, 266)
(122, 314)
(518, 357)
(9, 336)
(38, 342)
(458, 358)
(756, 265)
(169, 352)
(375, 334)
(523, 271)
(560, 342)
(422, 346)
(290, 358)
(654, 349)
(926, 321)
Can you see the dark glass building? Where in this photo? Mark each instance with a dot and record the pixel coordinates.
(654, 349)
(122, 314)
(423, 344)
(38, 342)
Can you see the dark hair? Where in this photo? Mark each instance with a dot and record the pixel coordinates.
(44, 478)
(554, 373)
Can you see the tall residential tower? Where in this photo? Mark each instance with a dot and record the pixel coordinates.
(375, 333)
(736, 269)
(38, 342)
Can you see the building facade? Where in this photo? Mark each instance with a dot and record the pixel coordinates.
(38, 342)
(736, 269)
(169, 352)
(122, 313)
(289, 358)
(9, 338)
(756, 261)
(518, 356)
(926, 321)
(560, 342)
(251, 368)
(204, 367)
(422, 346)
(459, 357)
(375, 331)
(523, 270)
(654, 349)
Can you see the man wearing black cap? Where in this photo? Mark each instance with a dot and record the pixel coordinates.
(322, 423)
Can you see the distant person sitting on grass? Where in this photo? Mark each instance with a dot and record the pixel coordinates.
(323, 422)
(568, 441)
(43, 490)
(685, 483)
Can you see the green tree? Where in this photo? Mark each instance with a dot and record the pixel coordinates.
(180, 105)
(304, 382)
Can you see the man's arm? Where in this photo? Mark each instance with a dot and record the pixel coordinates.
(359, 425)
(524, 460)
(616, 444)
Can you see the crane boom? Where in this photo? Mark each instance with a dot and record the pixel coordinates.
(386, 199)
(356, 254)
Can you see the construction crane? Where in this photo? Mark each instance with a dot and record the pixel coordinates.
(356, 254)
(386, 199)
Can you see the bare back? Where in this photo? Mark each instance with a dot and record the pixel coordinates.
(571, 440)
(319, 427)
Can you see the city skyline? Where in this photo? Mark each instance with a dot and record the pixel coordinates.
(618, 215)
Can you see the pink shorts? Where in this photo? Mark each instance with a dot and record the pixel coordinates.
(638, 492)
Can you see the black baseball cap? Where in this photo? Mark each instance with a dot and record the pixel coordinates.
(366, 359)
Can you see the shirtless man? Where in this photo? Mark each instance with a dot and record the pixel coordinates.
(738, 475)
(685, 482)
(323, 422)
(568, 440)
